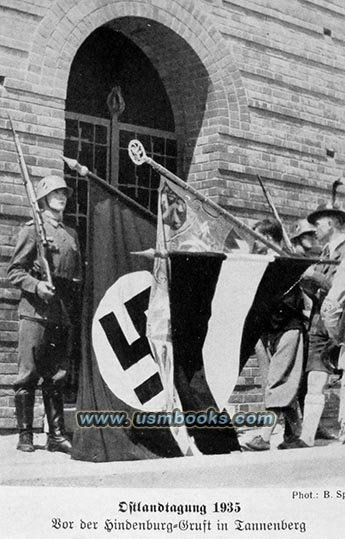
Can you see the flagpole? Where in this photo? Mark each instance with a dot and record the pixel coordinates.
(138, 156)
(271, 204)
(83, 171)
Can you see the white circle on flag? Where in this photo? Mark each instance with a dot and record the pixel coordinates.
(123, 355)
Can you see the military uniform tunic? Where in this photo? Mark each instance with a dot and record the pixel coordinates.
(44, 327)
(320, 343)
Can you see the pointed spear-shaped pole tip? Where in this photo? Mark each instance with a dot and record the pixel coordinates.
(148, 253)
(4, 94)
(74, 165)
(151, 254)
(3, 91)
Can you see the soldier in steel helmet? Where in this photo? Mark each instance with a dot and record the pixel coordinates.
(303, 239)
(44, 314)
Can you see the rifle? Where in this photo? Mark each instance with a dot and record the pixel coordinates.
(271, 204)
(42, 241)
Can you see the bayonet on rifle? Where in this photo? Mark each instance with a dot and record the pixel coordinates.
(271, 204)
(42, 242)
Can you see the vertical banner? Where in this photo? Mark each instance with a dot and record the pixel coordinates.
(192, 285)
(184, 224)
(121, 375)
(279, 278)
(236, 287)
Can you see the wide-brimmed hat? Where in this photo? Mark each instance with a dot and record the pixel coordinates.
(302, 227)
(326, 210)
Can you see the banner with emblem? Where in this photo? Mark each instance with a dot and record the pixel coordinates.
(121, 370)
(184, 224)
(147, 344)
(118, 371)
(187, 224)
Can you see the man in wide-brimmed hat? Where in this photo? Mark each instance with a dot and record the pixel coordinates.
(333, 316)
(329, 222)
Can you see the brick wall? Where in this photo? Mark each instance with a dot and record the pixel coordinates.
(255, 86)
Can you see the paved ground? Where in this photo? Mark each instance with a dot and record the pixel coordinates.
(322, 465)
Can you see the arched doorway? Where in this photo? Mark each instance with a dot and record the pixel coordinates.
(114, 94)
(174, 103)
(191, 57)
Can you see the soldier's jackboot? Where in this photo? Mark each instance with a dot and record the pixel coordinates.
(24, 402)
(53, 404)
(293, 419)
(293, 427)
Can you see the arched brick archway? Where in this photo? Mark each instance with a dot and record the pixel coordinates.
(221, 97)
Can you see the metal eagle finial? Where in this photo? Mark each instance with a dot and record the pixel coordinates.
(334, 190)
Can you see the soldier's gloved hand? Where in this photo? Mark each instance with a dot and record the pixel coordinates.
(45, 291)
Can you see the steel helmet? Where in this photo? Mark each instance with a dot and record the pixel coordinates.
(302, 227)
(49, 184)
